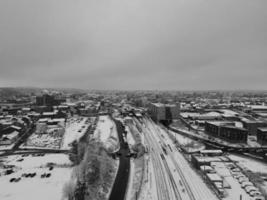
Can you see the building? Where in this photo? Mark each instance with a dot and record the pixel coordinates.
(211, 152)
(253, 125)
(8, 139)
(161, 112)
(258, 108)
(48, 100)
(45, 100)
(262, 136)
(213, 127)
(226, 131)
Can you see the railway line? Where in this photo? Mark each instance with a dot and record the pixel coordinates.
(161, 182)
(193, 186)
(164, 170)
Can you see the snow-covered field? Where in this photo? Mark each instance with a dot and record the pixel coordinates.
(36, 187)
(129, 137)
(187, 144)
(75, 129)
(106, 132)
(236, 190)
(45, 141)
(6, 147)
(250, 164)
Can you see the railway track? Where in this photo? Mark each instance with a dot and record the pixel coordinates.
(161, 182)
(178, 168)
(161, 160)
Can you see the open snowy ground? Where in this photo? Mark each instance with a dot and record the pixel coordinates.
(36, 187)
(250, 164)
(106, 132)
(105, 127)
(75, 129)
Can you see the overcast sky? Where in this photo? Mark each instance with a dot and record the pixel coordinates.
(134, 44)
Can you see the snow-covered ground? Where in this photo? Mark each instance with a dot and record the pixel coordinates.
(36, 187)
(6, 147)
(250, 164)
(44, 141)
(188, 144)
(149, 188)
(106, 132)
(236, 190)
(105, 127)
(129, 137)
(75, 129)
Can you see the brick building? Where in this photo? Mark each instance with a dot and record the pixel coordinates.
(226, 131)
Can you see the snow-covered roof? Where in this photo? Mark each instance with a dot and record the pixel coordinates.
(49, 113)
(216, 151)
(256, 107)
(214, 177)
(43, 120)
(158, 104)
(11, 135)
(263, 129)
(16, 127)
(206, 168)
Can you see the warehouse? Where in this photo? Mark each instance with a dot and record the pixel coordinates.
(226, 131)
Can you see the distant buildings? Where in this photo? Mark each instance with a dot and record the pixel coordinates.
(161, 112)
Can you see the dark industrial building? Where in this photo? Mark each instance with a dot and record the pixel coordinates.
(226, 131)
(253, 125)
(262, 136)
(48, 100)
(161, 112)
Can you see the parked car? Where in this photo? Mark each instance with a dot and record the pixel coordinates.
(12, 180)
(255, 193)
(259, 198)
(17, 179)
(245, 184)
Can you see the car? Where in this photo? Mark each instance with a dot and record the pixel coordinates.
(245, 184)
(243, 179)
(43, 175)
(17, 180)
(12, 180)
(9, 171)
(259, 198)
(255, 193)
(250, 189)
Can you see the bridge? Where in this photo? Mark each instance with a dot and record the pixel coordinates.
(224, 147)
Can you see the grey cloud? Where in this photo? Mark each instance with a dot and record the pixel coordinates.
(152, 44)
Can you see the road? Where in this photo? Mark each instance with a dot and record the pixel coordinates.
(121, 181)
(33, 151)
(175, 179)
(23, 138)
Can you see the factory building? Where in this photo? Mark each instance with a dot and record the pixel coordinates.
(226, 131)
(161, 112)
(262, 136)
(253, 125)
